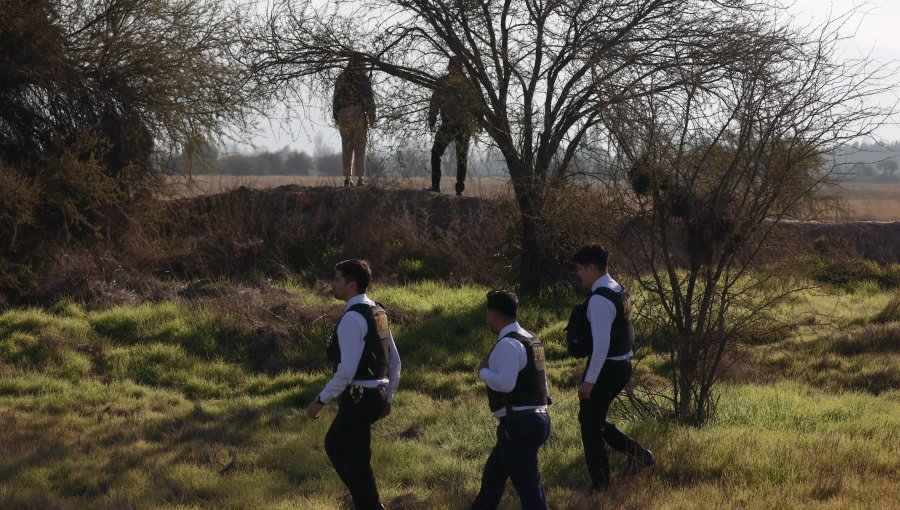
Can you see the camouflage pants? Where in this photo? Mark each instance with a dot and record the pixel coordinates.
(459, 135)
(351, 122)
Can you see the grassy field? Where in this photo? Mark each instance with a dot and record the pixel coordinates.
(145, 406)
(859, 201)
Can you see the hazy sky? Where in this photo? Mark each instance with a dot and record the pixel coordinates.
(878, 35)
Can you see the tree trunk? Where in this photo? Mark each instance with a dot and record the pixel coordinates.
(685, 381)
(538, 269)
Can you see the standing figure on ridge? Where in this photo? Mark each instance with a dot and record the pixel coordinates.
(353, 108)
(458, 102)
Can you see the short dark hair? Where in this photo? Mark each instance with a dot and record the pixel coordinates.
(594, 254)
(503, 302)
(356, 270)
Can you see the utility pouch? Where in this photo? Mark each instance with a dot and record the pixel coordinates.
(356, 393)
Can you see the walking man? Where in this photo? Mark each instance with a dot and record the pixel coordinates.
(458, 102)
(608, 368)
(366, 375)
(353, 108)
(518, 396)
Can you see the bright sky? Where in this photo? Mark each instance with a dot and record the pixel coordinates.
(878, 35)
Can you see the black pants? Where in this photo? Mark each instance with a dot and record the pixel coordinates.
(515, 457)
(348, 444)
(596, 432)
(459, 135)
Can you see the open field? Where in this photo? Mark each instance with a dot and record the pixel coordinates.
(156, 406)
(859, 201)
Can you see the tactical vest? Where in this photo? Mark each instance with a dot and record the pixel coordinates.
(373, 364)
(621, 336)
(531, 383)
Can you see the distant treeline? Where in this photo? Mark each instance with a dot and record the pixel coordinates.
(861, 162)
(870, 162)
(283, 162)
(327, 162)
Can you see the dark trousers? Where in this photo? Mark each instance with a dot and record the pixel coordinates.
(596, 432)
(348, 444)
(459, 135)
(515, 457)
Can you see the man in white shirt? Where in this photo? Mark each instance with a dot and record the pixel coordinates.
(608, 367)
(366, 375)
(515, 375)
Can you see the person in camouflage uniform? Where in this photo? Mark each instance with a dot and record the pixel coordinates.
(353, 107)
(458, 101)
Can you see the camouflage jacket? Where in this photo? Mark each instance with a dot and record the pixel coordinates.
(352, 89)
(458, 102)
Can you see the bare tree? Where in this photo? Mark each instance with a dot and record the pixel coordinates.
(549, 71)
(708, 172)
(148, 78)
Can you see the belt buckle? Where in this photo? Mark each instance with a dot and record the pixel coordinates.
(356, 393)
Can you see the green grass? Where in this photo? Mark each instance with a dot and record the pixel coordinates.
(144, 406)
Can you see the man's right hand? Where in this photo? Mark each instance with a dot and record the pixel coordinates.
(313, 410)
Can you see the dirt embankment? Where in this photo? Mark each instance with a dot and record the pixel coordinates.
(250, 234)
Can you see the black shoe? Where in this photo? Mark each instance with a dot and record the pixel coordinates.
(636, 463)
(348, 182)
(460, 187)
(433, 190)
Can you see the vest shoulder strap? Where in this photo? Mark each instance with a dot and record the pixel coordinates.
(515, 335)
(615, 297)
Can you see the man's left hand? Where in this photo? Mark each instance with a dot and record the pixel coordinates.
(584, 391)
(313, 410)
(484, 362)
(386, 412)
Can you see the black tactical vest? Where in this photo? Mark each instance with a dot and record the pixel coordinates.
(621, 337)
(373, 364)
(531, 383)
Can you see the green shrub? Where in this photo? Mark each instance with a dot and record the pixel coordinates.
(19, 198)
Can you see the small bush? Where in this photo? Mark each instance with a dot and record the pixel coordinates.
(19, 197)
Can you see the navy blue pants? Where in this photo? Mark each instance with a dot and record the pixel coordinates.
(596, 431)
(348, 445)
(515, 457)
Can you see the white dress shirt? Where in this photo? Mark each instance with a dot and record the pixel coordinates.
(601, 313)
(504, 364)
(351, 332)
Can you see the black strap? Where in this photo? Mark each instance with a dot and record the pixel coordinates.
(615, 297)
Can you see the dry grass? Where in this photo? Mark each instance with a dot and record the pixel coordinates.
(872, 201)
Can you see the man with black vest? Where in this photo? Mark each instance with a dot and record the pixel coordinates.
(518, 396)
(366, 376)
(608, 368)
